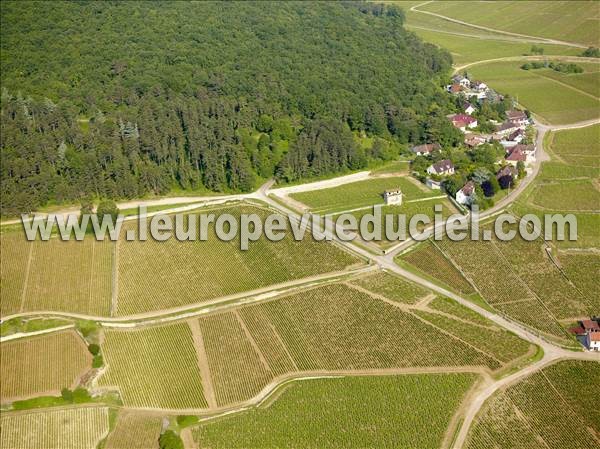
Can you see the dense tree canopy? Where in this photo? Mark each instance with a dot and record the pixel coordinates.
(121, 99)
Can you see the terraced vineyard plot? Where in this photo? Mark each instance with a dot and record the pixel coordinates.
(409, 210)
(351, 412)
(584, 271)
(134, 431)
(428, 259)
(159, 275)
(13, 270)
(154, 367)
(578, 146)
(80, 428)
(527, 415)
(336, 327)
(42, 365)
(574, 21)
(565, 105)
(392, 287)
(568, 196)
(56, 275)
(360, 194)
(237, 368)
(519, 280)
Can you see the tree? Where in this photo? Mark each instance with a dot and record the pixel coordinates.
(107, 207)
(66, 394)
(520, 169)
(491, 186)
(170, 440)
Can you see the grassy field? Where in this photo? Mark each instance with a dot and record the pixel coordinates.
(42, 365)
(56, 275)
(427, 259)
(565, 105)
(159, 275)
(466, 49)
(574, 21)
(351, 412)
(548, 409)
(360, 194)
(134, 431)
(80, 428)
(154, 367)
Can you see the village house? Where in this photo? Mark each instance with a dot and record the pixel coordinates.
(465, 195)
(392, 197)
(426, 149)
(506, 176)
(517, 118)
(588, 332)
(441, 168)
(433, 184)
(468, 108)
(463, 121)
(479, 86)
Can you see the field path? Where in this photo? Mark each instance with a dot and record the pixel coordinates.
(524, 37)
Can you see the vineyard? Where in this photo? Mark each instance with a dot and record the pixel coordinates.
(134, 431)
(68, 276)
(80, 428)
(548, 409)
(360, 194)
(409, 210)
(237, 368)
(41, 365)
(154, 367)
(159, 275)
(520, 279)
(429, 260)
(392, 287)
(350, 412)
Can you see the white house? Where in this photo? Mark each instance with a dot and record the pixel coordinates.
(443, 167)
(468, 108)
(393, 197)
(465, 195)
(593, 341)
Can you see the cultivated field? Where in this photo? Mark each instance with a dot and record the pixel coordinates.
(548, 409)
(429, 260)
(409, 209)
(351, 412)
(80, 428)
(154, 367)
(522, 280)
(566, 104)
(68, 276)
(574, 21)
(134, 431)
(43, 365)
(466, 49)
(160, 275)
(361, 194)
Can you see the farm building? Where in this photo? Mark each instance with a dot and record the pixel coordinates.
(441, 168)
(428, 148)
(465, 195)
(393, 197)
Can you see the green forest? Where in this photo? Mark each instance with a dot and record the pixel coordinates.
(126, 99)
